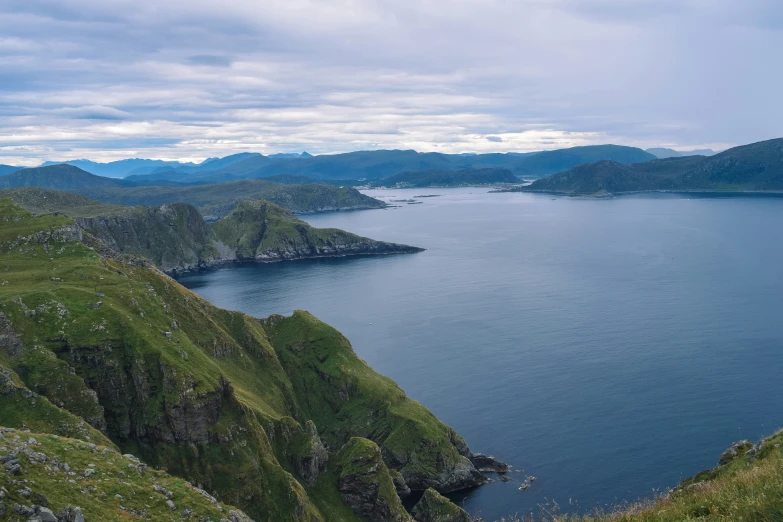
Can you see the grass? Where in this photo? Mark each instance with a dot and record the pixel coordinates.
(117, 488)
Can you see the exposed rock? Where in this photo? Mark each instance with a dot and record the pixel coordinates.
(314, 459)
(738, 448)
(403, 491)
(365, 483)
(433, 507)
(488, 464)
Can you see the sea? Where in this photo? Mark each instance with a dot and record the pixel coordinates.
(608, 347)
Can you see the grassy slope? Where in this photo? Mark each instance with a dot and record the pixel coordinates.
(259, 229)
(194, 389)
(96, 494)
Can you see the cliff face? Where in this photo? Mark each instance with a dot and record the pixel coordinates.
(254, 411)
(172, 236)
(263, 232)
(176, 238)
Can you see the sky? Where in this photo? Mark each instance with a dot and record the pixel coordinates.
(187, 80)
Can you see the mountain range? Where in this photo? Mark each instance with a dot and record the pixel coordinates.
(757, 167)
(360, 165)
(663, 153)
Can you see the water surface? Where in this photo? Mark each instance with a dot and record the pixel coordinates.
(608, 347)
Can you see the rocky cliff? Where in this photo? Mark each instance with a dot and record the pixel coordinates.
(257, 412)
(176, 238)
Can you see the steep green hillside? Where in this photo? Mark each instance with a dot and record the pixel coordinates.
(448, 178)
(229, 402)
(262, 231)
(176, 238)
(63, 477)
(751, 168)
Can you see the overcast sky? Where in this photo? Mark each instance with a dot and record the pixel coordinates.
(111, 79)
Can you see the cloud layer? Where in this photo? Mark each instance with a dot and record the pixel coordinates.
(112, 79)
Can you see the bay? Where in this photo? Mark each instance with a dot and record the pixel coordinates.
(608, 347)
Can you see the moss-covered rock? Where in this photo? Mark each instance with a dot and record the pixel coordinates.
(434, 507)
(346, 398)
(48, 475)
(365, 483)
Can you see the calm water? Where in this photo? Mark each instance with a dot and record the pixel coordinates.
(608, 347)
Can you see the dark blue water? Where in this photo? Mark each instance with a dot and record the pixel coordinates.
(608, 347)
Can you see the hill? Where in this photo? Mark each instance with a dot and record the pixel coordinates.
(120, 168)
(58, 177)
(448, 178)
(217, 200)
(276, 416)
(176, 238)
(7, 169)
(663, 153)
(213, 200)
(550, 162)
(757, 167)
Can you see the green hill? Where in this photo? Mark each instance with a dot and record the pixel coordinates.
(757, 167)
(176, 238)
(255, 411)
(448, 178)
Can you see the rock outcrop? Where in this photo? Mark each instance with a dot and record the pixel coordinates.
(365, 483)
(434, 507)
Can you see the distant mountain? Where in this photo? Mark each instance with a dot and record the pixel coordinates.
(663, 153)
(118, 169)
(549, 162)
(380, 164)
(698, 152)
(449, 178)
(7, 169)
(757, 167)
(290, 155)
(58, 177)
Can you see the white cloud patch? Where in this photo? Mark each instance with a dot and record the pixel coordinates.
(122, 78)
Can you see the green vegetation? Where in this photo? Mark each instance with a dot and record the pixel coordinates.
(434, 507)
(175, 237)
(447, 178)
(214, 397)
(58, 473)
(751, 168)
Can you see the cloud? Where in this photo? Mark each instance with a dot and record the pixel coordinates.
(93, 112)
(145, 78)
(211, 60)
